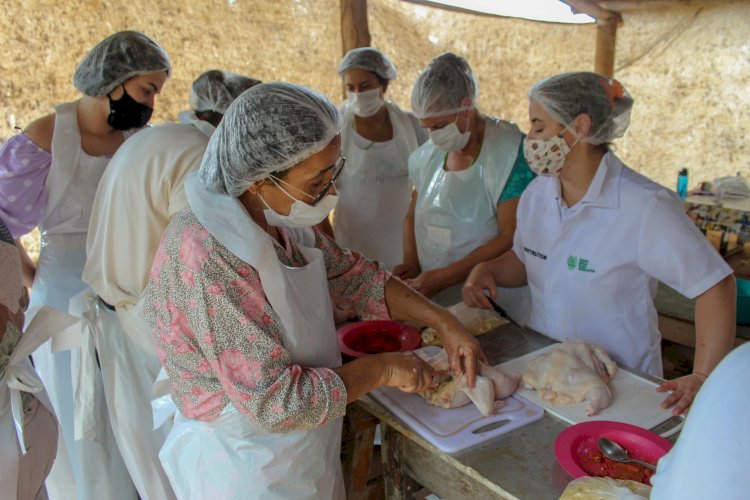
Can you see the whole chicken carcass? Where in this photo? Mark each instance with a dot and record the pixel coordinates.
(571, 373)
(449, 391)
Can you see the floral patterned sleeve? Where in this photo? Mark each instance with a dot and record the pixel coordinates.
(353, 278)
(218, 338)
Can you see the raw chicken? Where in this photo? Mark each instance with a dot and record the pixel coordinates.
(448, 391)
(571, 373)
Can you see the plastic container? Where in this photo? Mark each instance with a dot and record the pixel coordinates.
(377, 336)
(743, 302)
(682, 183)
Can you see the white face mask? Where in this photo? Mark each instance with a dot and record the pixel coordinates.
(546, 157)
(365, 103)
(301, 214)
(449, 138)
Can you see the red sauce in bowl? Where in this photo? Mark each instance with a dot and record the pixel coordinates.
(376, 336)
(596, 464)
(375, 342)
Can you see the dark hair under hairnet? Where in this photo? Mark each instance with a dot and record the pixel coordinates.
(442, 85)
(368, 59)
(116, 59)
(603, 99)
(268, 128)
(215, 90)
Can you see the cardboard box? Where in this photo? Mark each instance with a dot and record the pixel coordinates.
(709, 213)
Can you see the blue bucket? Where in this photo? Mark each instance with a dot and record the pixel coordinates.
(743, 302)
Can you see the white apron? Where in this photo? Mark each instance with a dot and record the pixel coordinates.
(374, 190)
(96, 466)
(19, 376)
(230, 457)
(129, 367)
(456, 212)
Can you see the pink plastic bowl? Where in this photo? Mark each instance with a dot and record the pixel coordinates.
(373, 337)
(578, 440)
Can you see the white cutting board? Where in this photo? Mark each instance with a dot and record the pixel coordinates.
(635, 399)
(456, 429)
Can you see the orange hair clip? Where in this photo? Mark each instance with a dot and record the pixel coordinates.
(614, 90)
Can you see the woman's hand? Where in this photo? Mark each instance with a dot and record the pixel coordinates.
(407, 371)
(683, 390)
(406, 270)
(429, 282)
(462, 349)
(480, 279)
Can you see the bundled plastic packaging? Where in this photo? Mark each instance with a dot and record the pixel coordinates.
(605, 488)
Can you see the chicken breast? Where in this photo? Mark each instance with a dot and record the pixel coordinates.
(571, 373)
(448, 391)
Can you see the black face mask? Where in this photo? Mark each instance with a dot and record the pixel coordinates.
(126, 113)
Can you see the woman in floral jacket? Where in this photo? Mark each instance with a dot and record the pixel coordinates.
(240, 304)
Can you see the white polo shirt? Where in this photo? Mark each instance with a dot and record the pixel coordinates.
(593, 268)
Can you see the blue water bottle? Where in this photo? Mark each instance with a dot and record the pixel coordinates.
(682, 183)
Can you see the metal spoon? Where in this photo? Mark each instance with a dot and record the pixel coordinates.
(615, 452)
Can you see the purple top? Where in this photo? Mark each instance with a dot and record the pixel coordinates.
(24, 167)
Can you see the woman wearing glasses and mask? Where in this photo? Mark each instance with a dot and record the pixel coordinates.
(467, 180)
(377, 139)
(48, 178)
(239, 303)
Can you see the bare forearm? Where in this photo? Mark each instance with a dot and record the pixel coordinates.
(406, 304)
(410, 241)
(361, 376)
(508, 271)
(28, 269)
(715, 325)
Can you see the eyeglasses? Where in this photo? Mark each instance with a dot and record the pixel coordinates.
(337, 168)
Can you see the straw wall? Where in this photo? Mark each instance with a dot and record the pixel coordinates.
(688, 68)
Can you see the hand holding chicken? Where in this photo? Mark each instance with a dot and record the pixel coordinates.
(449, 390)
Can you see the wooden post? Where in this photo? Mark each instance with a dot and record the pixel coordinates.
(606, 31)
(354, 29)
(606, 35)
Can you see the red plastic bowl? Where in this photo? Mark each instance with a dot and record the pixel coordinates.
(577, 440)
(376, 336)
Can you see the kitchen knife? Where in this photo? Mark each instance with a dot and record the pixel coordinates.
(505, 315)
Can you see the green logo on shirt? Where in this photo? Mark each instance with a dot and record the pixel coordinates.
(580, 264)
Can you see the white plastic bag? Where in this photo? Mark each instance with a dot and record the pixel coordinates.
(732, 187)
(605, 488)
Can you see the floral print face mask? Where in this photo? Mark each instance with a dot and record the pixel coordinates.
(547, 156)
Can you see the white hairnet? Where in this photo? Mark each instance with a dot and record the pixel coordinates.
(442, 85)
(215, 90)
(369, 59)
(116, 59)
(269, 128)
(603, 99)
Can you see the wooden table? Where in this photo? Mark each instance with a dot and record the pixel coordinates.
(519, 464)
(677, 318)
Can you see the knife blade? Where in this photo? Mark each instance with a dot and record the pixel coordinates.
(505, 315)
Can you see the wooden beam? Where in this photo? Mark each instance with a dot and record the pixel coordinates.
(633, 5)
(606, 36)
(355, 31)
(451, 8)
(592, 8)
(606, 33)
